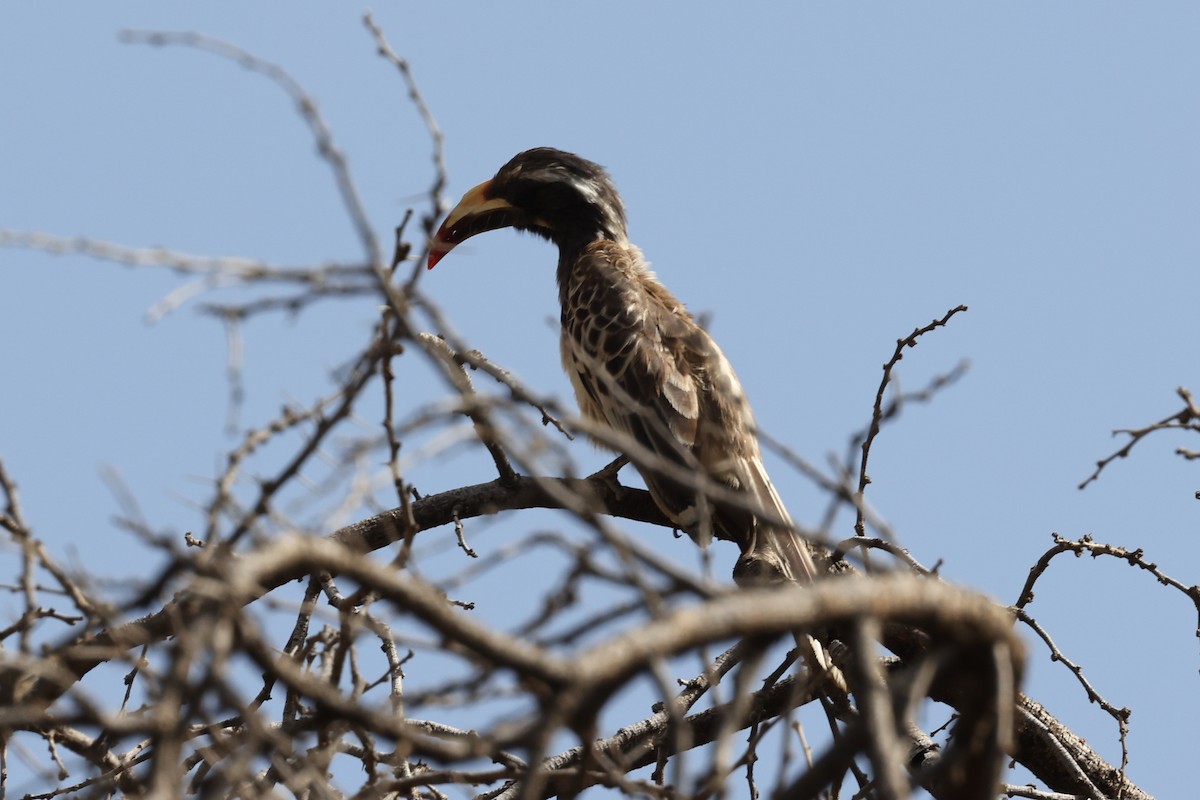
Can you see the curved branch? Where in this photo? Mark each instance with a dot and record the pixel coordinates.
(602, 493)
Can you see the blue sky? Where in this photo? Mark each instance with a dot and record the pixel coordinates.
(817, 180)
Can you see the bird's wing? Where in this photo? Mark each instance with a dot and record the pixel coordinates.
(641, 365)
(728, 446)
(625, 348)
(625, 352)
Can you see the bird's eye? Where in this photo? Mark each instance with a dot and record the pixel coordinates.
(522, 194)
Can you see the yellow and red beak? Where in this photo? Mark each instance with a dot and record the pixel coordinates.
(477, 212)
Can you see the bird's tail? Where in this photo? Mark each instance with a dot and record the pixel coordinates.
(774, 552)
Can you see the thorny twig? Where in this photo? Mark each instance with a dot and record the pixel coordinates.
(437, 203)
(879, 412)
(1095, 549)
(1188, 418)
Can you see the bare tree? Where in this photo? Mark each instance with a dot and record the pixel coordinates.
(280, 652)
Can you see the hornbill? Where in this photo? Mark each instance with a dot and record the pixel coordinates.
(638, 361)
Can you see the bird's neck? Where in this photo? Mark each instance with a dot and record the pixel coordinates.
(570, 251)
(605, 265)
(567, 258)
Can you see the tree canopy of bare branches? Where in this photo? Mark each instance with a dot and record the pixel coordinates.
(331, 628)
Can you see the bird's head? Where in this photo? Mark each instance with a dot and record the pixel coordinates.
(567, 199)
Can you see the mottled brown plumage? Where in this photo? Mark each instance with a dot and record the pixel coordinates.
(638, 361)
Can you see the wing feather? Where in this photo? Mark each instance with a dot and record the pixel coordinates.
(641, 364)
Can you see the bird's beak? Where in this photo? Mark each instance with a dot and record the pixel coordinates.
(477, 212)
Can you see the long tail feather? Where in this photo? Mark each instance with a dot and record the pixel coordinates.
(773, 547)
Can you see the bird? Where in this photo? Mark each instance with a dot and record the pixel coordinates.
(638, 361)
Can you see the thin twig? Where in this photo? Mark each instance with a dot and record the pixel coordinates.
(1188, 418)
(878, 413)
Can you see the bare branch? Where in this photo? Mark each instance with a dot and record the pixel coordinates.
(1188, 418)
(879, 413)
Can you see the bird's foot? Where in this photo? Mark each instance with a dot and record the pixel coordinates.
(613, 467)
